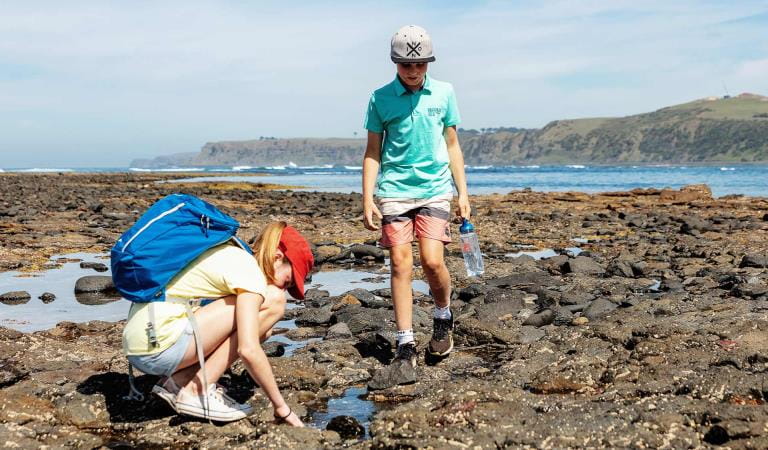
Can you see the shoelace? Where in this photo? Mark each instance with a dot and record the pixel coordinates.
(441, 328)
(219, 394)
(406, 352)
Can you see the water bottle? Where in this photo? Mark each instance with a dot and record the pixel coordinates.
(470, 248)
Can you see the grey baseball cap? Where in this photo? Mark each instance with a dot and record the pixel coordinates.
(411, 43)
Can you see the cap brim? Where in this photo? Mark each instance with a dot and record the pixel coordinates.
(412, 60)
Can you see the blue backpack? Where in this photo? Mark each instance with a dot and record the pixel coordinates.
(171, 234)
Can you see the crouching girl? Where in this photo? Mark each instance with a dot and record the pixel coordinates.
(249, 293)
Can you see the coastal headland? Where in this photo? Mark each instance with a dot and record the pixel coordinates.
(645, 326)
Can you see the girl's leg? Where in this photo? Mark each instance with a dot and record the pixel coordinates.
(431, 253)
(401, 259)
(216, 322)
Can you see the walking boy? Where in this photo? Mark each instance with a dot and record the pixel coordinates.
(412, 138)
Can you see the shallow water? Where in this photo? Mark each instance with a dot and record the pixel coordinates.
(36, 315)
(349, 404)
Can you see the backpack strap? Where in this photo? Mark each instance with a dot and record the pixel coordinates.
(133, 393)
(200, 356)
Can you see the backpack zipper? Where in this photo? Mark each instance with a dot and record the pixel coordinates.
(170, 211)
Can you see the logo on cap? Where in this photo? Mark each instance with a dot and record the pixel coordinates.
(413, 48)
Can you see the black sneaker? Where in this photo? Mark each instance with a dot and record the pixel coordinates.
(441, 343)
(406, 353)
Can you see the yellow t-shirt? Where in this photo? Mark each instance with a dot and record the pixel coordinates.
(218, 272)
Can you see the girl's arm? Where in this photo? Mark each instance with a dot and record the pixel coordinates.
(371, 163)
(456, 159)
(250, 351)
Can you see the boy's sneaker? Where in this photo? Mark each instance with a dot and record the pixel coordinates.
(167, 390)
(221, 407)
(406, 354)
(441, 343)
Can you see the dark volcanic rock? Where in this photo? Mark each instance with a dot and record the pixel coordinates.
(754, 260)
(540, 319)
(94, 284)
(98, 267)
(393, 375)
(583, 264)
(47, 297)
(361, 251)
(599, 308)
(339, 331)
(348, 427)
(313, 316)
(15, 297)
(362, 320)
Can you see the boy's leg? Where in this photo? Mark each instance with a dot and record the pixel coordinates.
(431, 253)
(433, 231)
(401, 261)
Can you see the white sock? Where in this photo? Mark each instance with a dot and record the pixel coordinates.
(442, 313)
(404, 336)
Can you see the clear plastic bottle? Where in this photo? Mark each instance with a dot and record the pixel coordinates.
(470, 249)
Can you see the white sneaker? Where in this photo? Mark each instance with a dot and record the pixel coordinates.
(167, 390)
(221, 407)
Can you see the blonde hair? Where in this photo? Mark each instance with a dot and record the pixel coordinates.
(265, 248)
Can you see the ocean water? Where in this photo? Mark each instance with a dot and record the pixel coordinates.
(751, 180)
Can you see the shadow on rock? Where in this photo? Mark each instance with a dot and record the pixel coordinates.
(114, 386)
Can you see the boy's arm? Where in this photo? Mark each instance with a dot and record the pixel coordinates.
(371, 163)
(456, 159)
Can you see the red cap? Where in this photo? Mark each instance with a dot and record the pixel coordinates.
(296, 249)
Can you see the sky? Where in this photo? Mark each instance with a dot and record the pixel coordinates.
(99, 83)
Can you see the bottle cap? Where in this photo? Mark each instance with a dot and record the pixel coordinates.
(466, 227)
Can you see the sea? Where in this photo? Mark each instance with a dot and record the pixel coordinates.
(730, 179)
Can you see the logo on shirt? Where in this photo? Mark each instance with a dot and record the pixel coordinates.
(414, 49)
(434, 112)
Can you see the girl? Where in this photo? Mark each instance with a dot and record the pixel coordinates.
(249, 299)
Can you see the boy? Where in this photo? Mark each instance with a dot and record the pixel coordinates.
(411, 125)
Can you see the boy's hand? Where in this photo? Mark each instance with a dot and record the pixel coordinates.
(369, 210)
(463, 209)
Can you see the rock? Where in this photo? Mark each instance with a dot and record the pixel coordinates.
(83, 411)
(362, 295)
(754, 260)
(620, 268)
(313, 316)
(15, 297)
(315, 294)
(47, 297)
(325, 253)
(530, 334)
(339, 331)
(362, 250)
(361, 319)
(599, 308)
(347, 426)
(273, 349)
(98, 267)
(472, 291)
(563, 316)
(540, 318)
(95, 284)
(583, 264)
(399, 372)
(580, 321)
(686, 194)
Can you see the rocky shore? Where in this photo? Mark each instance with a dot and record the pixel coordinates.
(650, 329)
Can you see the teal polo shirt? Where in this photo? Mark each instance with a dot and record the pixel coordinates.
(414, 156)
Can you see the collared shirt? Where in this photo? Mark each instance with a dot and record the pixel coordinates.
(414, 155)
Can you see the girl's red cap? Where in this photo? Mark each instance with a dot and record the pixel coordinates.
(296, 249)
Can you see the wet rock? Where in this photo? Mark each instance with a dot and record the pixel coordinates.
(15, 297)
(339, 331)
(325, 253)
(98, 267)
(315, 294)
(347, 426)
(47, 297)
(273, 349)
(472, 291)
(754, 260)
(540, 318)
(583, 264)
(363, 296)
(599, 308)
(361, 320)
(397, 373)
(362, 250)
(95, 284)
